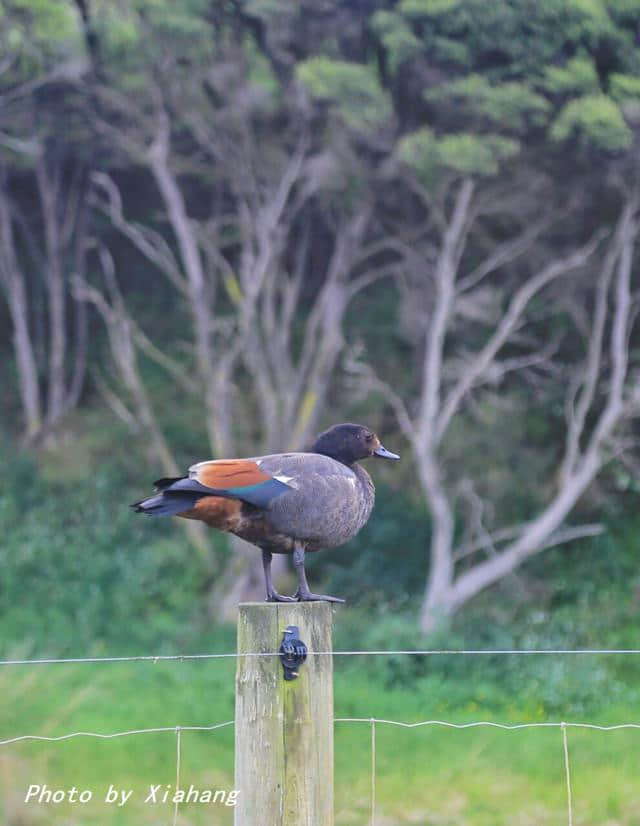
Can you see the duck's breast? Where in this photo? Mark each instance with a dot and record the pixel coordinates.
(328, 502)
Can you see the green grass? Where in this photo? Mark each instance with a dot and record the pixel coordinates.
(430, 775)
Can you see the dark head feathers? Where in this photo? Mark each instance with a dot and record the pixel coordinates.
(348, 442)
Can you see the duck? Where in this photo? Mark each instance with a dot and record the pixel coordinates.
(283, 503)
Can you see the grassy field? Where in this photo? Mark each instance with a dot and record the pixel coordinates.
(430, 775)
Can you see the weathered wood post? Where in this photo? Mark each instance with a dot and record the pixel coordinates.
(284, 728)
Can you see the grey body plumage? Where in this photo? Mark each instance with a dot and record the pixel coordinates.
(326, 505)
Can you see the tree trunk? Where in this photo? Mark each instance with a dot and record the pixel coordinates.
(441, 568)
(13, 281)
(48, 187)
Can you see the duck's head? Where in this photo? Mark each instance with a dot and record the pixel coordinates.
(349, 442)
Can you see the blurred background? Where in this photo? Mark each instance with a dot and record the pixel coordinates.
(226, 225)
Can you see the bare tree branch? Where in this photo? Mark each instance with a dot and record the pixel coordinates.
(560, 537)
(507, 324)
(151, 244)
(450, 252)
(503, 254)
(577, 413)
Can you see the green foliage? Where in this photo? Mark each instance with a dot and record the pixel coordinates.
(38, 35)
(474, 155)
(507, 105)
(623, 10)
(182, 19)
(424, 8)
(451, 52)
(483, 74)
(80, 571)
(624, 87)
(261, 75)
(464, 153)
(44, 20)
(132, 34)
(396, 35)
(268, 9)
(625, 90)
(532, 687)
(594, 9)
(596, 121)
(582, 600)
(577, 76)
(351, 89)
(419, 151)
(514, 40)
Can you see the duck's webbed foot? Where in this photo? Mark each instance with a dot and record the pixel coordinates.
(274, 596)
(303, 594)
(309, 596)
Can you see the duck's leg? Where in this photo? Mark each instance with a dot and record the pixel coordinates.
(303, 593)
(272, 594)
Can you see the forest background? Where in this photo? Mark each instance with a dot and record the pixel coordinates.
(227, 225)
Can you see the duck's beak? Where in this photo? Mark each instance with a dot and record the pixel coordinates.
(385, 454)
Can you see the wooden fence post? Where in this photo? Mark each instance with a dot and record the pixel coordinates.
(284, 729)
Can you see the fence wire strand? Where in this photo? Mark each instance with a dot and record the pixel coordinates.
(372, 721)
(487, 724)
(155, 658)
(112, 735)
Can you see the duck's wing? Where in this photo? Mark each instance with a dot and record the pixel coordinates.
(233, 478)
(239, 479)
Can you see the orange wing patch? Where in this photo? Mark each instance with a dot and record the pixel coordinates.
(228, 473)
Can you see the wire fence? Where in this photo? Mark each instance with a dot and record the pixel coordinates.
(372, 722)
(563, 726)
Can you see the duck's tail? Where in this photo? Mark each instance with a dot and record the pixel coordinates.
(167, 503)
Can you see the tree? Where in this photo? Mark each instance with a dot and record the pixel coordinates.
(52, 239)
(480, 263)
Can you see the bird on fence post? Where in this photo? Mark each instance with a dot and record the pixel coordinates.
(285, 503)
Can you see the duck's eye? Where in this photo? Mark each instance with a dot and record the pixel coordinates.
(368, 437)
